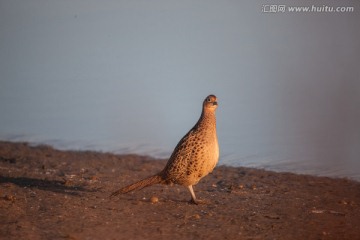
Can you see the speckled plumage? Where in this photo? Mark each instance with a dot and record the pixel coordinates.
(195, 156)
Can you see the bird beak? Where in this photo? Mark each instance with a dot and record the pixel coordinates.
(215, 103)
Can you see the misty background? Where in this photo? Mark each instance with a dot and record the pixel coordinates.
(130, 76)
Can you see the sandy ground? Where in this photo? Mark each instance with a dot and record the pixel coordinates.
(51, 194)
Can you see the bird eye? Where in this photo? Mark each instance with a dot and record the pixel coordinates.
(208, 99)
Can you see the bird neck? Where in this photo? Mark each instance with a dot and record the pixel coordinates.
(207, 117)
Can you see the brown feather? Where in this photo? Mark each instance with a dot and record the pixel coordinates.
(139, 185)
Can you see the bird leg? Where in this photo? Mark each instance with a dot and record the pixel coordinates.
(193, 197)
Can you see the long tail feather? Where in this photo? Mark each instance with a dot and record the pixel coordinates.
(138, 185)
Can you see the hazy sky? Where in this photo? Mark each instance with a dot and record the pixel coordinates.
(134, 73)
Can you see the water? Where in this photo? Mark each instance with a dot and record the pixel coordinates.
(130, 77)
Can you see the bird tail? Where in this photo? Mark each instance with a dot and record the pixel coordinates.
(138, 185)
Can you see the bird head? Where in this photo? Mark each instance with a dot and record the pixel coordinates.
(210, 103)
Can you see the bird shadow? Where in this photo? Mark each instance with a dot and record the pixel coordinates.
(46, 185)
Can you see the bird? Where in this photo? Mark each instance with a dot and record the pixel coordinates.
(194, 157)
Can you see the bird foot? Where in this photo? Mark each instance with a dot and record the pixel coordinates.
(198, 202)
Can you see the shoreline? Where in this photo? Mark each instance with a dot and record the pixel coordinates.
(320, 171)
(48, 193)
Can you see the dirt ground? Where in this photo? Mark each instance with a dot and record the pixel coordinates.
(51, 194)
